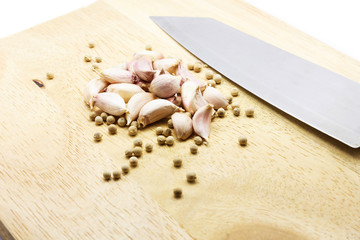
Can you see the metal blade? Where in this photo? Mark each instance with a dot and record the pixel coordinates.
(320, 98)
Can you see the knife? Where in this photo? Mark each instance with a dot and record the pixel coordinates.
(315, 95)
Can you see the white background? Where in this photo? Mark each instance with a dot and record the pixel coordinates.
(335, 22)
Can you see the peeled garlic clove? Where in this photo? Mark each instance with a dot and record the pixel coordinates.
(183, 126)
(176, 99)
(143, 69)
(152, 55)
(202, 120)
(215, 97)
(111, 103)
(155, 110)
(167, 64)
(165, 85)
(117, 75)
(122, 66)
(186, 75)
(125, 90)
(93, 87)
(191, 97)
(135, 104)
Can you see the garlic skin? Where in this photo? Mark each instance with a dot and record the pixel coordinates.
(183, 125)
(191, 97)
(202, 120)
(111, 103)
(152, 55)
(143, 69)
(117, 75)
(186, 75)
(215, 97)
(165, 85)
(125, 90)
(135, 104)
(92, 88)
(167, 64)
(155, 110)
(176, 99)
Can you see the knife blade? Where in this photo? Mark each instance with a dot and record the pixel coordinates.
(315, 95)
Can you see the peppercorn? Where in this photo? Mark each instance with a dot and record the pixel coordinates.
(161, 139)
(177, 192)
(234, 92)
(159, 130)
(91, 44)
(211, 83)
(169, 141)
(87, 58)
(190, 66)
(149, 147)
(249, 112)
(112, 129)
(98, 120)
(116, 174)
(133, 161)
(95, 66)
(110, 120)
(229, 99)
(221, 112)
(121, 122)
(235, 105)
(104, 116)
(243, 140)
(138, 142)
(170, 124)
(128, 153)
(98, 59)
(209, 74)
(50, 75)
(194, 149)
(92, 116)
(135, 124)
(148, 47)
(167, 132)
(191, 177)
(197, 67)
(125, 168)
(107, 175)
(132, 131)
(137, 151)
(177, 162)
(217, 78)
(237, 111)
(198, 140)
(98, 136)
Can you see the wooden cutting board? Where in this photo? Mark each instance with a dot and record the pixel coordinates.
(290, 182)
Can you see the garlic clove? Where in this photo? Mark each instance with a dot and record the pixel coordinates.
(176, 99)
(125, 90)
(191, 97)
(143, 69)
(152, 55)
(202, 120)
(186, 75)
(183, 126)
(165, 85)
(111, 103)
(93, 87)
(122, 66)
(168, 64)
(215, 97)
(156, 110)
(135, 104)
(117, 75)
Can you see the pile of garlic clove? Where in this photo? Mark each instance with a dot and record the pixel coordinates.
(149, 88)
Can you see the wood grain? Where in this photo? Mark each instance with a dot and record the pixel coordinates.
(290, 182)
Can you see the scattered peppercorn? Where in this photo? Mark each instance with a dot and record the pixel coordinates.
(190, 66)
(112, 129)
(92, 116)
(209, 74)
(121, 122)
(133, 161)
(167, 132)
(116, 174)
(229, 99)
(217, 78)
(237, 111)
(125, 168)
(98, 136)
(107, 175)
(50, 75)
(235, 105)
(87, 58)
(128, 153)
(177, 162)
(234, 92)
(161, 139)
(148, 47)
(169, 141)
(138, 142)
(177, 192)
(243, 140)
(211, 83)
(197, 67)
(135, 124)
(98, 59)
(221, 112)
(191, 177)
(249, 112)
(110, 120)
(198, 140)
(170, 124)
(137, 151)
(159, 130)
(194, 149)
(95, 66)
(104, 116)
(91, 44)
(98, 120)
(149, 147)
(132, 131)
